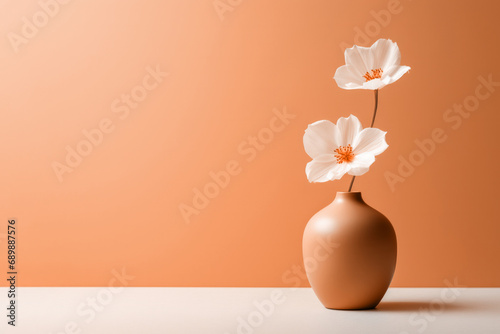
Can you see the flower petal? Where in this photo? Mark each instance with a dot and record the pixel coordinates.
(317, 170)
(373, 84)
(394, 73)
(370, 140)
(349, 129)
(346, 78)
(360, 59)
(339, 170)
(385, 54)
(361, 163)
(321, 137)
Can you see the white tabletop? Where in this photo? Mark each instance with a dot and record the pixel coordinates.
(247, 311)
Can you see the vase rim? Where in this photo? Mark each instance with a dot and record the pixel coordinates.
(348, 195)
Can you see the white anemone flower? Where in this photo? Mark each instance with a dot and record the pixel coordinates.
(371, 68)
(337, 149)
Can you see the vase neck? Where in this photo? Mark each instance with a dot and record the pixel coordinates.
(353, 196)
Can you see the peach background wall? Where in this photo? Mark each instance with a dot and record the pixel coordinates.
(221, 79)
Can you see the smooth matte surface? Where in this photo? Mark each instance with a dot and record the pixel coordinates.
(217, 310)
(349, 251)
(120, 207)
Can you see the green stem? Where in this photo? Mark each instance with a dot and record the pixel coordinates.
(371, 126)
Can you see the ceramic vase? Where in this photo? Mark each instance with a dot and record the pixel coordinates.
(349, 253)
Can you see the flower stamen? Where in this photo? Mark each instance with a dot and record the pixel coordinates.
(344, 154)
(376, 74)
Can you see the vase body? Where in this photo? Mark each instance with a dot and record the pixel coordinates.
(349, 253)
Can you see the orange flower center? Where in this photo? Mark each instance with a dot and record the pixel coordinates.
(344, 154)
(376, 74)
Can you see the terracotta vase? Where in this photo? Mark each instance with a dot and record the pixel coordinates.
(349, 253)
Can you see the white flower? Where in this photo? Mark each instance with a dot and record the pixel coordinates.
(371, 68)
(341, 148)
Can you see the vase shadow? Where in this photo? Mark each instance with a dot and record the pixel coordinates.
(404, 306)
